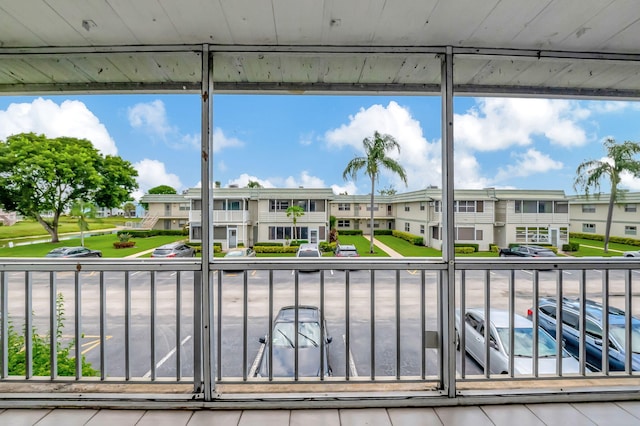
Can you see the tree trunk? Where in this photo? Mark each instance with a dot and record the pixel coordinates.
(52, 230)
(607, 228)
(373, 184)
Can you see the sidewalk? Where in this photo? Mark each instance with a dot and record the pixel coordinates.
(391, 252)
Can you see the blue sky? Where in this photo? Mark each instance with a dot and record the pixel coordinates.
(305, 140)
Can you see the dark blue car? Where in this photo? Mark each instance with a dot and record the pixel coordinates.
(593, 332)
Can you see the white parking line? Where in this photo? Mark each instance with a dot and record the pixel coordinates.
(167, 356)
(352, 364)
(256, 362)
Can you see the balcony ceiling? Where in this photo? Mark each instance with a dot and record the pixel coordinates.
(576, 48)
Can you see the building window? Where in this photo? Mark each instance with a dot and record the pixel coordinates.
(279, 205)
(422, 206)
(286, 232)
(344, 206)
(407, 208)
(233, 205)
(407, 227)
(465, 233)
(421, 229)
(344, 223)
(184, 206)
(588, 208)
(561, 207)
(197, 204)
(196, 232)
(630, 208)
(589, 227)
(630, 230)
(435, 232)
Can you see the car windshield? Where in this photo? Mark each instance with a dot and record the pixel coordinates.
(523, 342)
(308, 334)
(618, 333)
(308, 253)
(235, 253)
(162, 251)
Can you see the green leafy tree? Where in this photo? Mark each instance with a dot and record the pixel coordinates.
(83, 211)
(294, 212)
(620, 160)
(162, 189)
(41, 177)
(390, 190)
(129, 209)
(254, 184)
(375, 159)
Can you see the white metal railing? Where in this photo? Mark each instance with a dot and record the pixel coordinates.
(383, 322)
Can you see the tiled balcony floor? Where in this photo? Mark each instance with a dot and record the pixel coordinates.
(561, 414)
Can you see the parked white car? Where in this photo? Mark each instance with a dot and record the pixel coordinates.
(634, 253)
(474, 324)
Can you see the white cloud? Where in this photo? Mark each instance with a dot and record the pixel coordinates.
(627, 181)
(419, 157)
(220, 141)
(529, 163)
(44, 116)
(152, 173)
(350, 188)
(243, 180)
(499, 123)
(152, 118)
(304, 180)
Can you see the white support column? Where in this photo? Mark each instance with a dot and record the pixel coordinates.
(447, 293)
(208, 363)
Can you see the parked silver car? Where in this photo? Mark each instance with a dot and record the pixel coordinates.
(474, 323)
(174, 250)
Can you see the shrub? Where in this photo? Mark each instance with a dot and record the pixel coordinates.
(474, 246)
(464, 249)
(572, 246)
(326, 247)
(275, 249)
(41, 350)
(268, 244)
(413, 239)
(298, 242)
(351, 232)
(494, 248)
(382, 232)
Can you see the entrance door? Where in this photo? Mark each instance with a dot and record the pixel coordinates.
(313, 236)
(554, 236)
(232, 237)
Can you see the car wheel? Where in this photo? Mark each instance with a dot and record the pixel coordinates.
(503, 255)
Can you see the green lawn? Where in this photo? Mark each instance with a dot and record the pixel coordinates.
(98, 242)
(596, 248)
(31, 228)
(362, 244)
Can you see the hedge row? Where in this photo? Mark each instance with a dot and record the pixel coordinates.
(382, 232)
(413, 239)
(350, 232)
(464, 249)
(598, 237)
(572, 246)
(275, 249)
(473, 246)
(152, 232)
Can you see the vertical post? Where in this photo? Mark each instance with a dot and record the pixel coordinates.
(448, 359)
(206, 306)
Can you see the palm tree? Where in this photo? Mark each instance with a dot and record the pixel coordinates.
(619, 160)
(254, 184)
(295, 212)
(83, 211)
(375, 158)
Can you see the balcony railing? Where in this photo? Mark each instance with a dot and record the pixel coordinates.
(388, 326)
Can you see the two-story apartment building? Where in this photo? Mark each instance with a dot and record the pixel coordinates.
(249, 215)
(166, 211)
(589, 214)
(484, 217)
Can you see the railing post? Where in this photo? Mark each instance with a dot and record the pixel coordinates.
(447, 292)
